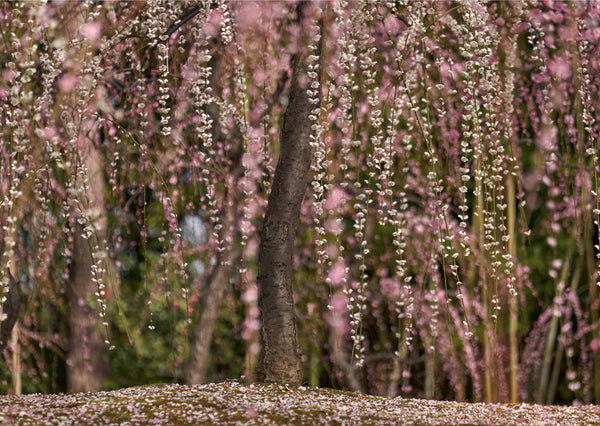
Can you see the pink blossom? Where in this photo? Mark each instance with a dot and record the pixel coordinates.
(250, 295)
(211, 28)
(260, 76)
(334, 198)
(333, 226)
(390, 287)
(50, 132)
(67, 82)
(92, 30)
(337, 273)
(392, 24)
(560, 68)
(248, 15)
(8, 76)
(547, 138)
(252, 248)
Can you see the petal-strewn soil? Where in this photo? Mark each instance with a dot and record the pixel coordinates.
(236, 403)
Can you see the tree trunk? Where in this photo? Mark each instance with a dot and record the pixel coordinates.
(279, 359)
(10, 308)
(86, 367)
(9, 323)
(15, 373)
(217, 283)
(203, 332)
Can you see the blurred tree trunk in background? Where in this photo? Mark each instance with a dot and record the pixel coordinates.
(86, 366)
(10, 308)
(220, 276)
(203, 332)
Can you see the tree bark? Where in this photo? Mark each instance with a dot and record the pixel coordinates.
(86, 367)
(10, 308)
(279, 359)
(12, 305)
(204, 330)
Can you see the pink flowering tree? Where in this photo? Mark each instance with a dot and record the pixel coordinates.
(446, 153)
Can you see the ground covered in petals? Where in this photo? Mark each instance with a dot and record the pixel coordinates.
(235, 403)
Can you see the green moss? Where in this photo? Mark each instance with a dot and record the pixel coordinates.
(234, 403)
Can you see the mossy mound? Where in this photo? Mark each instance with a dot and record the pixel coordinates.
(237, 403)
